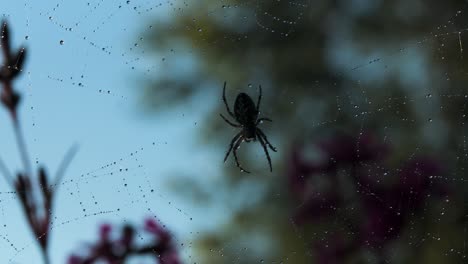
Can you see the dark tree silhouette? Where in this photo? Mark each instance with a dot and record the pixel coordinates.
(301, 52)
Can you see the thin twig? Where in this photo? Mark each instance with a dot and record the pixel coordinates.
(64, 164)
(45, 256)
(23, 184)
(6, 173)
(22, 148)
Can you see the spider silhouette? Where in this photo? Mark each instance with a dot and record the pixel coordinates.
(247, 116)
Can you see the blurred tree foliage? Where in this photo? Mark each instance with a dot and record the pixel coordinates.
(315, 61)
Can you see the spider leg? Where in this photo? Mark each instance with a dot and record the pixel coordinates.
(266, 151)
(259, 98)
(234, 140)
(236, 146)
(263, 119)
(225, 102)
(263, 136)
(229, 122)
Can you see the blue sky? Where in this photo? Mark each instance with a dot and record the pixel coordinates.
(67, 101)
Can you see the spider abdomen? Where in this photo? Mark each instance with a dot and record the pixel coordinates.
(246, 114)
(244, 110)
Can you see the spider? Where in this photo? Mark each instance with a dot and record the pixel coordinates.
(247, 116)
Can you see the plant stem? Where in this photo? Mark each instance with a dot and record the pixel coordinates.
(6, 173)
(22, 147)
(45, 256)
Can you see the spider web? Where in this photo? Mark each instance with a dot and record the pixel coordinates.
(83, 81)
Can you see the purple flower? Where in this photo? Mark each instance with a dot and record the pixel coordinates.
(386, 216)
(104, 232)
(153, 227)
(298, 172)
(75, 260)
(334, 250)
(315, 207)
(117, 251)
(383, 217)
(384, 207)
(420, 176)
(342, 149)
(338, 151)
